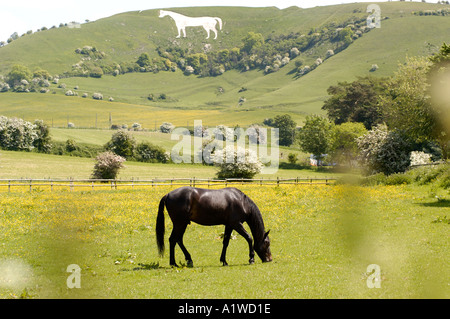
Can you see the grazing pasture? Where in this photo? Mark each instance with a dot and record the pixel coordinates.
(323, 238)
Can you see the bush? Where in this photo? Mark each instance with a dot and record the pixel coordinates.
(166, 127)
(107, 165)
(242, 163)
(97, 96)
(136, 127)
(398, 179)
(71, 145)
(71, 148)
(42, 140)
(17, 134)
(383, 151)
(149, 153)
(292, 158)
(122, 143)
(420, 158)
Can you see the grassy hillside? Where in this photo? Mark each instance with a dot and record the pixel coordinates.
(215, 100)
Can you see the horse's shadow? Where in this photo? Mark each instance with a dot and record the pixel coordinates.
(150, 266)
(156, 266)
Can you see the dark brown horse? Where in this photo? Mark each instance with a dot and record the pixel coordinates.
(228, 206)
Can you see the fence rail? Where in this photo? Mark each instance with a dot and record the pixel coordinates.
(92, 184)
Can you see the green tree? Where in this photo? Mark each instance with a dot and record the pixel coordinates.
(407, 106)
(198, 61)
(122, 143)
(439, 79)
(286, 126)
(19, 73)
(344, 146)
(252, 41)
(42, 142)
(358, 101)
(315, 136)
(40, 73)
(144, 60)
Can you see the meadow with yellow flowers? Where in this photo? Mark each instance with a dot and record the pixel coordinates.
(323, 238)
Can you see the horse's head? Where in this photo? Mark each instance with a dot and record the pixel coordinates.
(162, 13)
(263, 248)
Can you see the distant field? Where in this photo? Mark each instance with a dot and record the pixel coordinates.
(58, 110)
(15, 165)
(214, 100)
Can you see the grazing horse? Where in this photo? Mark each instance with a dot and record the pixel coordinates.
(181, 21)
(228, 206)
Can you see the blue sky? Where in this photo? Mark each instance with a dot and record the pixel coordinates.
(21, 16)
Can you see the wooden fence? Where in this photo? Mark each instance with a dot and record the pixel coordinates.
(91, 184)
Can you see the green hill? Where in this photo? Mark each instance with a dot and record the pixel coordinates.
(236, 96)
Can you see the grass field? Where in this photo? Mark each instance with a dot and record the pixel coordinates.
(323, 238)
(16, 165)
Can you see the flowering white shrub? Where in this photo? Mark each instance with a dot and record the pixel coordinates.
(383, 151)
(295, 52)
(136, 127)
(17, 134)
(222, 132)
(237, 162)
(188, 70)
(107, 165)
(166, 127)
(419, 158)
(97, 96)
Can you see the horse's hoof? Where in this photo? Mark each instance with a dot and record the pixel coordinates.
(251, 261)
(174, 266)
(224, 263)
(190, 263)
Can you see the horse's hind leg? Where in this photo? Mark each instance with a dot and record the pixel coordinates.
(177, 238)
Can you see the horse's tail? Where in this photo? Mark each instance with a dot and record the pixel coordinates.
(220, 22)
(160, 226)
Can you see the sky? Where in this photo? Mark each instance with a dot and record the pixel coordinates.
(21, 16)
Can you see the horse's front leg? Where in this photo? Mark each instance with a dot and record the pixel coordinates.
(241, 231)
(226, 240)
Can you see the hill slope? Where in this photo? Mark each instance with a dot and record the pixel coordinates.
(125, 36)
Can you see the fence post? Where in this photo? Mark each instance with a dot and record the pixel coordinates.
(278, 181)
(9, 186)
(31, 181)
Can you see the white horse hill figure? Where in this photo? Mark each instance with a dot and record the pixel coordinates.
(181, 21)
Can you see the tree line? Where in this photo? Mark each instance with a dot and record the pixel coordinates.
(381, 121)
